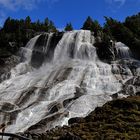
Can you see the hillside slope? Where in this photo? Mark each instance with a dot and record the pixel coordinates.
(118, 119)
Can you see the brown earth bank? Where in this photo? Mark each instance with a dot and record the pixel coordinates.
(116, 120)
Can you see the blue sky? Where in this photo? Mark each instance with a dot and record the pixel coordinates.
(63, 11)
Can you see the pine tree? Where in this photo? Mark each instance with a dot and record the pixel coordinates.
(37, 25)
(68, 27)
(46, 22)
(133, 23)
(88, 24)
(52, 27)
(6, 26)
(28, 22)
(91, 25)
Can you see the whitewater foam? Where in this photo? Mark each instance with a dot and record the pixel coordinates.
(71, 83)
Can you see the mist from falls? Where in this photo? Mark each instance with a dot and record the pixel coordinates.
(55, 82)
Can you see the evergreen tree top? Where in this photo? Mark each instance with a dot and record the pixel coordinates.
(68, 27)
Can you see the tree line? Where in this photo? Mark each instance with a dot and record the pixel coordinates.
(16, 33)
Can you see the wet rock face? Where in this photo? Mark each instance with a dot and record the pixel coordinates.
(38, 54)
(132, 86)
(7, 106)
(44, 48)
(106, 51)
(6, 64)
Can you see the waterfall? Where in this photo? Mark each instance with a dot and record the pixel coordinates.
(58, 80)
(26, 54)
(123, 50)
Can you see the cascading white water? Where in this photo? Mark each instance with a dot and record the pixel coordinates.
(26, 54)
(123, 50)
(71, 84)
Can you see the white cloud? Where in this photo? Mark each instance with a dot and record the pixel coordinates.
(24, 4)
(17, 4)
(117, 3)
